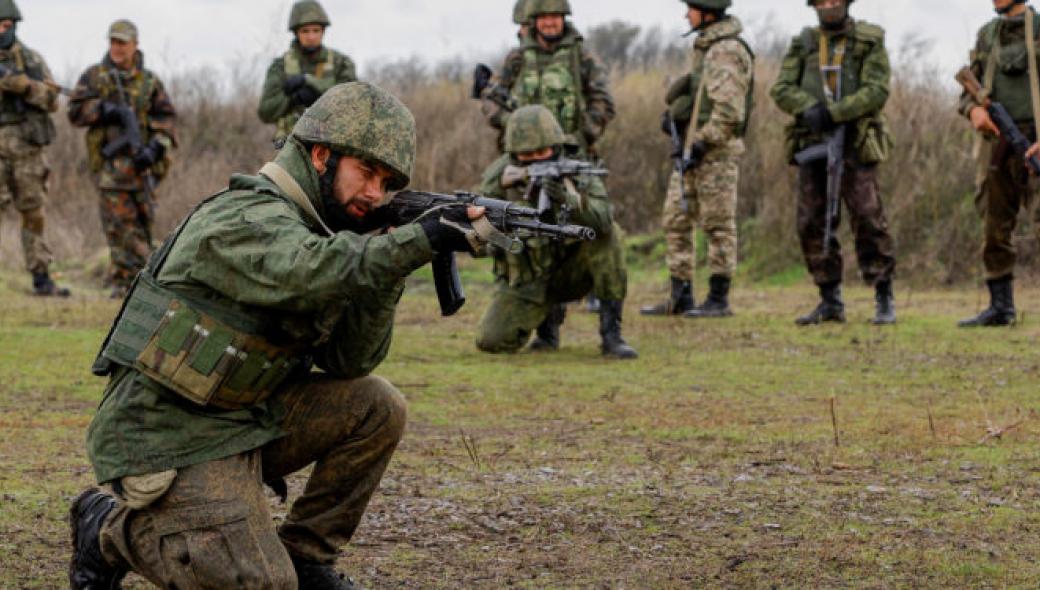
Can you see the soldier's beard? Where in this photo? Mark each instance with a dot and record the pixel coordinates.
(336, 216)
(833, 19)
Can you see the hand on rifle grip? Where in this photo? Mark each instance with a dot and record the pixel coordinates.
(981, 121)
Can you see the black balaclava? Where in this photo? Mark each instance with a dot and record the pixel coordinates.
(1007, 9)
(8, 37)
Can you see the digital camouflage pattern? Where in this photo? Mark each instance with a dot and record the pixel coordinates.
(308, 12)
(323, 70)
(212, 528)
(566, 79)
(546, 273)
(25, 129)
(363, 121)
(532, 128)
(536, 7)
(127, 219)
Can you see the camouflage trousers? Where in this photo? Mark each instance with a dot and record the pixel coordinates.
(127, 219)
(23, 183)
(1005, 191)
(517, 307)
(711, 192)
(212, 529)
(860, 197)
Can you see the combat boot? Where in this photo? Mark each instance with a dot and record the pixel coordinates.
(613, 344)
(680, 302)
(830, 309)
(547, 336)
(43, 286)
(885, 311)
(320, 576)
(1001, 310)
(88, 569)
(717, 303)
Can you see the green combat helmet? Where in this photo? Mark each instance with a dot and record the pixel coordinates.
(711, 4)
(9, 11)
(520, 12)
(537, 7)
(532, 128)
(363, 121)
(307, 12)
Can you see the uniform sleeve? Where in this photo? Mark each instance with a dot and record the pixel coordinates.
(347, 71)
(591, 207)
(162, 116)
(491, 179)
(84, 102)
(599, 104)
(727, 71)
(787, 92)
(361, 339)
(498, 117)
(43, 94)
(873, 87)
(977, 67)
(274, 104)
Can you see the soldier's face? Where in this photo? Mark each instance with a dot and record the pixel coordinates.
(535, 156)
(122, 52)
(310, 36)
(5, 25)
(359, 186)
(549, 25)
(695, 16)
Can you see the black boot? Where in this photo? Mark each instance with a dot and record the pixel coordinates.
(885, 312)
(680, 302)
(610, 330)
(320, 576)
(717, 303)
(547, 336)
(43, 286)
(830, 309)
(1001, 310)
(88, 569)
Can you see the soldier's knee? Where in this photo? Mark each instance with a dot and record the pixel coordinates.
(385, 401)
(494, 342)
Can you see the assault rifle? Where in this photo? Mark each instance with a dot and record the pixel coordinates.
(504, 224)
(131, 142)
(483, 87)
(537, 172)
(1001, 118)
(833, 151)
(678, 161)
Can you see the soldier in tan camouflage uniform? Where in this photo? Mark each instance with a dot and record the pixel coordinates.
(28, 95)
(710, 107)
(108, 98)
(298, 78)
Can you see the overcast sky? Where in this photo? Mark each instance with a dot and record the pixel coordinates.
(181, 34)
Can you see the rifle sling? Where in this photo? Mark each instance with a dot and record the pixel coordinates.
(292, 189)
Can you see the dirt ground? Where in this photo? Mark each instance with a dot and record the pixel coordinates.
(742, 453)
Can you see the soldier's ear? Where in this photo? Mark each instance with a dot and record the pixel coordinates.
(320, 157)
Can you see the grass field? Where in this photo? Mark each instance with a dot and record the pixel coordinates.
(743, 453)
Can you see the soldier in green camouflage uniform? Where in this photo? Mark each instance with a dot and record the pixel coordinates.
(107, 96)
(720, 89)
(1005, 185)
(27, 97)
(533, 285)
(211, 390)
(858, 48)
(298, 78)
(552, 68)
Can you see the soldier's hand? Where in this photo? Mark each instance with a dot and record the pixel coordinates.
(111, 113)
(556, 189)
(305, 95)
(981, 121)
(147, 156)
(818, 118)
(698, 150)
(15, 84)
(293, 83)
(1032, 152)
(446, 230)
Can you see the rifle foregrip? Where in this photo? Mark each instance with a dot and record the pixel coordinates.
(449, 286)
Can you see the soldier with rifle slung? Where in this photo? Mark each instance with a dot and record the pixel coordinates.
(28, 95)
(707, 118)
(1004, 61)
(131, 131)
(835, 81)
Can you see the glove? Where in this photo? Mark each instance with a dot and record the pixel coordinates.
(818, 118)
(110, 113)
(697, 152)
(147, 156)
(305, 95)
(444, 238)
(15, 84)
(556, 189)
(293, 83)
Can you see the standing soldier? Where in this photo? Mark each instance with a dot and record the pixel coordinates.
(130, 134)
(710, 107)
(836, 76)
(297, 79)
(533, 284)
(28, 95)
(1011, 81)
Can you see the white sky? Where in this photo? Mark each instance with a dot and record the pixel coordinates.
(180, 34)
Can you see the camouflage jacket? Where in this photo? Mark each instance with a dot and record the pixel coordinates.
(145, 93)
(588, 205)
(31, 110)
(725, 63)
(567, 79)
(1000, 47)
(322, 70)
(253, 251)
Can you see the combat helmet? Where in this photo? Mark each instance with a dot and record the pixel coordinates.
(363, 121)
(520, 15)
(537, 7)
(710, 4)
(9, 10)
(813, 2)
(532, 128)
(307, 12)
